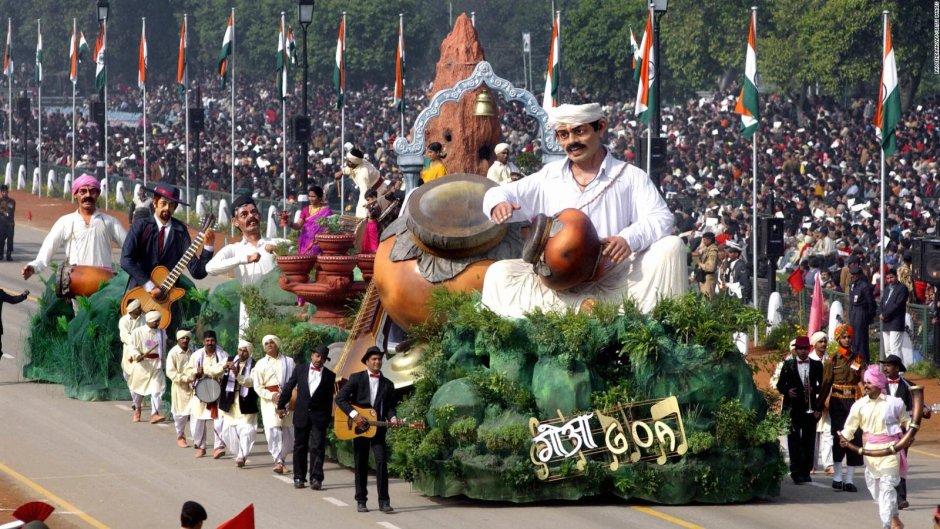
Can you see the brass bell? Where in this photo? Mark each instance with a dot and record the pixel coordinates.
(484, 105)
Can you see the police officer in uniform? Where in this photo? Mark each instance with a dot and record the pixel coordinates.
(706, 264)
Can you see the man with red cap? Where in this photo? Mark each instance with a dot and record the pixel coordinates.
(842, 377)
(86, 235)
(800, 383)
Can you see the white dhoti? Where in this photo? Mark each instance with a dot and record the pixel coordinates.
(512, 288)
(180, 422)
(239, 430)
(280, 441)
(198, 430)
(883, 491)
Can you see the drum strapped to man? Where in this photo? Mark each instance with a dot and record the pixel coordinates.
(80, 280)
(208, 390)
(564, 249)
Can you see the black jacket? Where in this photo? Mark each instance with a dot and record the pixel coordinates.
(356, 391)
(903, 392)
(894, 306)
(8, 298)
(317, 408)
(861, 304)
(247, 404)
(790, 379)
(139, 255)
(741, 273)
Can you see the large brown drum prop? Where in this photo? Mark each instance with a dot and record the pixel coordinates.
(80, 280)
(446, 217)
(564, 249)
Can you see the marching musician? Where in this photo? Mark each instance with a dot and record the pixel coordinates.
(630, 216)
(148, 346)
(126, 325)
(239, 404)
(86, 234)
(270, 375)
(207, 362)
(251, 258)
(314, 383)
(370, 389)
(898, 386)
(800, 383)
(181, 384)
(161, 239)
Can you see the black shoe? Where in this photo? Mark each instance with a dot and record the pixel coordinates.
(903, 504)
(361, 507)
(385, 507)
(837, 485)
(797, 480)
(298, 483)
(315, 484)
(849, 487)
(807, 479)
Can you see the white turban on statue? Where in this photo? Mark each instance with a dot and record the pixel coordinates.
(574, 114)
(133, 305)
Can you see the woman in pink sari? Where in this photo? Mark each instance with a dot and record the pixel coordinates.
(309, 222)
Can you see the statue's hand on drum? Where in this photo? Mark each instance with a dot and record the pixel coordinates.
(502, 212)
(615, 249)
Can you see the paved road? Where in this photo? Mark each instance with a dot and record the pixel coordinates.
(104, 471)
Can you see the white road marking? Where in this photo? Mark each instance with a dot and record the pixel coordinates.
(124, 407)
(820, 485)
(334, 501)
(7, 355)
(388, 525)
(285, 479)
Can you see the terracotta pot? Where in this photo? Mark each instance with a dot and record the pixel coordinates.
(366, 263)
(296, 267)
(335, 244)
(339, 264)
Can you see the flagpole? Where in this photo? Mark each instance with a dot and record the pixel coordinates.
(771, 269)
(75, 46)
(10, 95)
(143, 35)
(39, 105)
(401, 40)
(284, 124)
(104, 27)
(231, 64)
(342, 121)
(881, 204)
(186, 104)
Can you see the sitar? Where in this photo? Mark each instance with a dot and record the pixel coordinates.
(166, 279)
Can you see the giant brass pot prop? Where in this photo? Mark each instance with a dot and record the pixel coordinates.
(917, 404)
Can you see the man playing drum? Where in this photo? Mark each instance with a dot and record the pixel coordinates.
(270, 375)
(87, 234)
(148, 345)
(205, 366)
(630, 217)
(181, 389)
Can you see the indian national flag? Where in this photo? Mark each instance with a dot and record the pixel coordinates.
(398, 101)
(291, 45)
(8, 53)
(142, 57)
(646, 92)
(281, 62)
(635, 55)
(889, 97)
(181, 59)
(38, 54)
(748, 105)
(339, 69)
(227, 48)
(550, 99)
(101, 44)
(77, 48)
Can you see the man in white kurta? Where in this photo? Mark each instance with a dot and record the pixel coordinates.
(148, 346)
(126, 325)
(502, 169)
(181, 385)
(86, 235)
(365, 176)
(240, 424)
(210, 361)
(270, 374)
(881, 418)
(632, 220)
(251, 258)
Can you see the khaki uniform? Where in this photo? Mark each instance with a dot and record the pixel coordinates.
(707, 262)
(842, 376)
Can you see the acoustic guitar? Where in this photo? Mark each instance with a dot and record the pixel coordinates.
(346, 428)
(166, 279)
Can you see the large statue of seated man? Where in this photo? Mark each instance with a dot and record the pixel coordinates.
(630, 216)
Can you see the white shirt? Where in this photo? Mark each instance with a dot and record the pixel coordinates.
(373, 388)
(631, 208)
(86, 244)
(234, 256)
(313, 379)
(500, 172)
(364, 176)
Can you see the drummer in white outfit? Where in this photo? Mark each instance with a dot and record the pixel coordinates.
(239, 404)
(270, 374)
(148, 346)
(631, 218)
(208, 362)
(181, 388)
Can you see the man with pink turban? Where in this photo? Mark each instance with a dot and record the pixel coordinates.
(86, 235)
(881, 417)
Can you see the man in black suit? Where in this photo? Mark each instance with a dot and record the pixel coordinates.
(861, 310)
(13, 300)
(893, 311)
(161, 239)
(312, 411)
(800, 384)
(370, 389)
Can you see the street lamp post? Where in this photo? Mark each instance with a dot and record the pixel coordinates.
(302, 126)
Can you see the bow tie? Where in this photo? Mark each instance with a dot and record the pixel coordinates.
(317, 369)
(802, 361)
(893, 381)
(375, 375)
